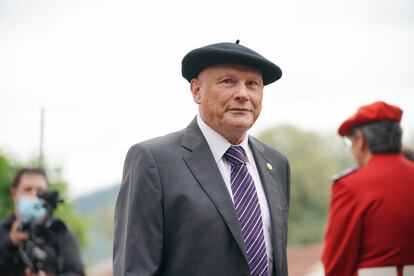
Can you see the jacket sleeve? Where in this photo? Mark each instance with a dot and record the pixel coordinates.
(138, 233)
(8, 251)
(343, 235)
(72, 263)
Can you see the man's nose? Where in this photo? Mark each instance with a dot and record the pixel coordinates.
(242, 92)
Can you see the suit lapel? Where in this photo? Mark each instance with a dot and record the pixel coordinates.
(201, 162)
(274, 195)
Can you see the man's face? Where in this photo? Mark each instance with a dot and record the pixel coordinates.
(30, 184)
(229, 98)
(358, 147)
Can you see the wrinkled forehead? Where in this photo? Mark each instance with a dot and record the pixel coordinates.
(231, 69)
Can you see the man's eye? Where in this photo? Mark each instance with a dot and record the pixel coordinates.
(253, 83)
(227, 81)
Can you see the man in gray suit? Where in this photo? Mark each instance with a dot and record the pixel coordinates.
(209, 199)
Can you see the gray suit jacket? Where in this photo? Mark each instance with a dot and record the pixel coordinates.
(174, 215)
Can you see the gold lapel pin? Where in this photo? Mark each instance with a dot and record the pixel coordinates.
(269, 166)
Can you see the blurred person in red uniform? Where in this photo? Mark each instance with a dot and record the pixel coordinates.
(371, 218)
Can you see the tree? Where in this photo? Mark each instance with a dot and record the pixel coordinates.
(7, 171)
(313, 159)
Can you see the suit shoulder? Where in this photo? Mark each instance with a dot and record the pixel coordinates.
(156, 149)
(344, 173)
(160, 141)
(268, 149)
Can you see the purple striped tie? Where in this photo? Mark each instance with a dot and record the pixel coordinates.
(248, 211)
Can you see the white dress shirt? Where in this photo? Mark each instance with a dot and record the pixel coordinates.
(218, 146)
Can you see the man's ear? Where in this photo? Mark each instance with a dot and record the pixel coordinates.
(362, 143)
(195, 90)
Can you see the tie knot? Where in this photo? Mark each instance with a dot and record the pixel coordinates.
(235, 155)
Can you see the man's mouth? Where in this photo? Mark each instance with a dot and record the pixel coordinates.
(239, 109)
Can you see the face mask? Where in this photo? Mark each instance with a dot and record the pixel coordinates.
(31, 208)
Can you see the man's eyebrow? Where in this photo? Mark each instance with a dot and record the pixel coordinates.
(225, 74)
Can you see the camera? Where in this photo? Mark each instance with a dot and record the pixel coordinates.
(39, 222)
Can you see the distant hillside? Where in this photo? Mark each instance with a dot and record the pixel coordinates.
(96, 200)
(98, 209)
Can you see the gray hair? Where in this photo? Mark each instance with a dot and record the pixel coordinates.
(382, 136)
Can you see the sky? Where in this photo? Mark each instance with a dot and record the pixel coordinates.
(108, 72)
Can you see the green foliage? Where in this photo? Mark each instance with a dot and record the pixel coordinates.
(313, 160)
(7, 171)
(65, 211)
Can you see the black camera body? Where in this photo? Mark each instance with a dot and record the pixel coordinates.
(51, 198)
(30, 251)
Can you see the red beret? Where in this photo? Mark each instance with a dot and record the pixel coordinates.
(378, 111)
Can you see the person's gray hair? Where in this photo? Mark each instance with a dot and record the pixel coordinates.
(382, 136)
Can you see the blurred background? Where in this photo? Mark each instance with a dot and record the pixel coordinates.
(108, 74)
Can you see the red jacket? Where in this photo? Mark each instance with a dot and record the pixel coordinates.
(371, 217)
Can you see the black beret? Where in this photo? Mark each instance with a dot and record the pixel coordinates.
(228, 53)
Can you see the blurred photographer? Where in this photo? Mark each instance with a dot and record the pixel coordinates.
(32, 242)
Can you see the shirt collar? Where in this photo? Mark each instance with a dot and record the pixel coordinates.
(217, 143)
